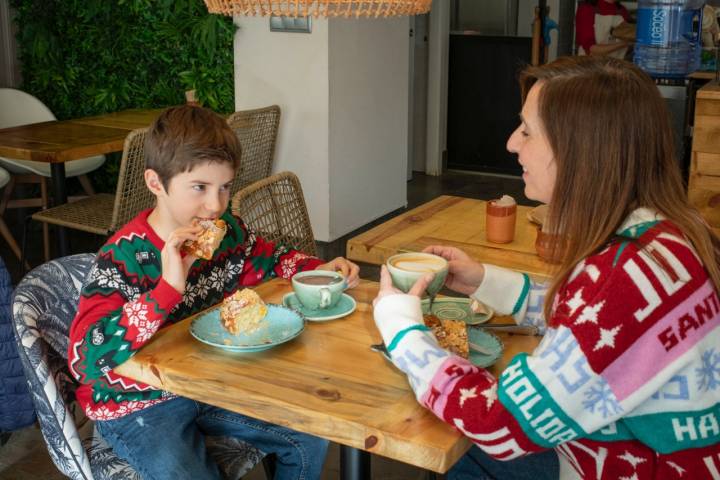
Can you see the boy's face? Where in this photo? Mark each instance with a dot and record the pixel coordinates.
(202, 193)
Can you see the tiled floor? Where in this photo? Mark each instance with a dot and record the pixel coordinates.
(24, 457)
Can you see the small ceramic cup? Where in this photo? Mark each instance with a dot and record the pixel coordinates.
(500, 222)
(549, 246)
(407, 268)
(318, 289)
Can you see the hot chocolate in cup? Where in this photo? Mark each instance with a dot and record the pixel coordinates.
(318, 289)
(407, 268)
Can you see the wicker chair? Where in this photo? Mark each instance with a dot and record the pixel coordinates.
(257, 130)
(104, 213)
(274, 208)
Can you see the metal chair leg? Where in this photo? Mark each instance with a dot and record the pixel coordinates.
(269, 465)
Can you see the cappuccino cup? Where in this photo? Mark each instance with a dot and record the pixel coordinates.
(407, 268)
(318, 289)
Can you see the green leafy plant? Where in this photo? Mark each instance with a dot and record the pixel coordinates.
(86, 57)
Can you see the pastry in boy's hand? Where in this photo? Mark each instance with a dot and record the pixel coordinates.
(450, 334)
(208, 240)
(243, 312)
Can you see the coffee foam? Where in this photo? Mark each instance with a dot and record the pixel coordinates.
(418, 264)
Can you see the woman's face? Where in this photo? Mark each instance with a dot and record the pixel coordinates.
(535, 156)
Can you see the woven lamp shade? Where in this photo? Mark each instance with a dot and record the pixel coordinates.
(320, 8)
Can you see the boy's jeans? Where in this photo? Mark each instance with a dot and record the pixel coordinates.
(167, 441)
(478, 465)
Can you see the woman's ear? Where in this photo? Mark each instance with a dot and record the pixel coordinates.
(152, 180)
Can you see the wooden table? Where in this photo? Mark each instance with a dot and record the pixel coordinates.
(452, 221)
(326, 382)
(57, 142)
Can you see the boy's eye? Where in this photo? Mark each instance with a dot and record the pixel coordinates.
(524, 133)
(226, 187)
(199, 188)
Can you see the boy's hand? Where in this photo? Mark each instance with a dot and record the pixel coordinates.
(175, 268)
(349, 270)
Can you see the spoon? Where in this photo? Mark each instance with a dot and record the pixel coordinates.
(430, 303)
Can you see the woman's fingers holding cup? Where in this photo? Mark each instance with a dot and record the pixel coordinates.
(448, 253)
(385, 279)
(386, 285)
(421, 286)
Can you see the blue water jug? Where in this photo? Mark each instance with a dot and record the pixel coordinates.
(668, 37)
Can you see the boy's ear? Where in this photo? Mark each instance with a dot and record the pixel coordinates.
(152, 180)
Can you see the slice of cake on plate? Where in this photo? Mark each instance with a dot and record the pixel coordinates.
(450, 334)
(243, 312)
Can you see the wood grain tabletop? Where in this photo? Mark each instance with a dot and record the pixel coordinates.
(326, 382)
(452, 221)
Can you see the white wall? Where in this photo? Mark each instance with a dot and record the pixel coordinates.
(343, 91)
(369, 80)
(437, 94)
(291, 70)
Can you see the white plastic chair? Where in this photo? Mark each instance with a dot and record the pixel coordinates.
(20, 108)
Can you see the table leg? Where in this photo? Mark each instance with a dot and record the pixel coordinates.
(354, 463)
(57, 175)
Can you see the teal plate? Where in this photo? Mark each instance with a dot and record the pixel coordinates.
(449, 308)
(487, 341)
(481, 338)
(345, 306)
(280, 325)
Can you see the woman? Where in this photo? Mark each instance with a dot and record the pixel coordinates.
(594, 24)
(626, 382)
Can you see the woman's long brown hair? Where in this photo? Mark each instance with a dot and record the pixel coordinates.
(610, 132)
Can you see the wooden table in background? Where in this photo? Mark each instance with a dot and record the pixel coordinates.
(452, 221)
(327, 382)
(57, 142)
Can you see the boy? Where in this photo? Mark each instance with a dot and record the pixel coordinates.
(141, 282)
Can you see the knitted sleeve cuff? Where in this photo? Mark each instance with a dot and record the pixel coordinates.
(395, 313)
(505, 291)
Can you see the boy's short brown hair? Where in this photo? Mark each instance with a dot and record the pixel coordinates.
(186, 136)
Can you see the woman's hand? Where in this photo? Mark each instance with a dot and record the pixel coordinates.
(175, 267)
(348, 269)
(386, 286)
(464, 273)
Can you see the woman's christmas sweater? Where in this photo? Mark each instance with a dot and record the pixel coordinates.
(125, 301)
(625, 385)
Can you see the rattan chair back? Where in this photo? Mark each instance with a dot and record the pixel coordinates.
(257, 131)
(104, 213)
(132, 195)
(274, 208)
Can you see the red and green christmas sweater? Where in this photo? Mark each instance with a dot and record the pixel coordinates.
(625, 384)
(125, 301)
